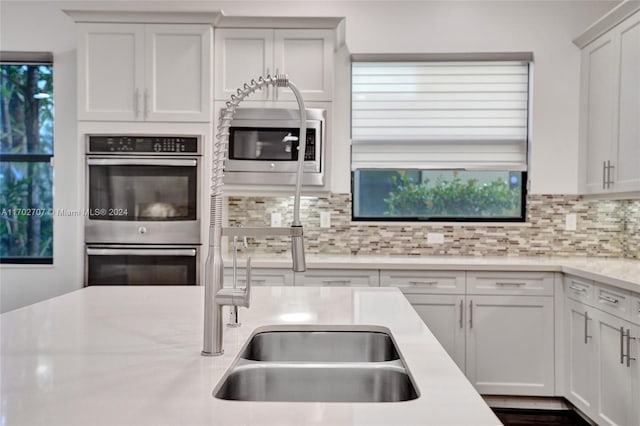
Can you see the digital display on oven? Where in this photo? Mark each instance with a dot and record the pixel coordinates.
(117, 144)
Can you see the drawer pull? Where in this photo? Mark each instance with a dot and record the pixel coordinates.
(507, 283)
(423, 282)
(608, 299)
(578, 289)
(341, 282)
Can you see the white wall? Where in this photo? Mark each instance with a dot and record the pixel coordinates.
(544, 27)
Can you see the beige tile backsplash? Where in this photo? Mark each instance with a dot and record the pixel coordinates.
(604, 229)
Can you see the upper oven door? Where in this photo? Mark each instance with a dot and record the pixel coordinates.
(142, 200)
(272, 146)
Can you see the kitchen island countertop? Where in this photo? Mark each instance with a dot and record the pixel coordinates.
(131, 355)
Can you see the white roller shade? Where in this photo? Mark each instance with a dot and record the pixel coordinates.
(433, 115)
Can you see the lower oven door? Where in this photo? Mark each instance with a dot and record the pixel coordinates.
(140, 265)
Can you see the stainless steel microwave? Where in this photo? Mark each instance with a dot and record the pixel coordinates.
(263, 147)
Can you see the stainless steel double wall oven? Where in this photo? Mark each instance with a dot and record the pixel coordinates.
(143, 209)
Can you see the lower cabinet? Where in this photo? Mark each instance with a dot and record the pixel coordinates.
(503, 342)
(259, 276)
(602, 375)
(510, 348)
(338, 278)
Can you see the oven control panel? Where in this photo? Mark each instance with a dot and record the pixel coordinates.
(157, 145)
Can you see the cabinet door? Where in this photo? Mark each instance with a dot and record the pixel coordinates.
(240, 56)
(306, 56)
(510, 349)
(110, 72)
(580, 356)
(598, 89)
(259, 276)
(628, 156)
(614, 378)
(178, 73)
(338, 278)
(444, 316)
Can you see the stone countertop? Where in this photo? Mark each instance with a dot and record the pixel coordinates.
(623, 273)
(131, 356)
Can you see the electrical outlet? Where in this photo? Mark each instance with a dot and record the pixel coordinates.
(325, 219)
(276, 220)
(435, 238)
(571, 222)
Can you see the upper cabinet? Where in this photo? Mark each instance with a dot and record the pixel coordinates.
(144, 72)
(610, 109)
(306, 56)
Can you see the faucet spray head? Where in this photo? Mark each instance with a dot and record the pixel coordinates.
(297, 249)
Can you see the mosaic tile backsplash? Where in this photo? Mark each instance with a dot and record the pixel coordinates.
(604, 229)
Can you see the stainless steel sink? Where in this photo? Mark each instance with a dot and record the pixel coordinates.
(310, 365)
(358, 382)
(321, 346)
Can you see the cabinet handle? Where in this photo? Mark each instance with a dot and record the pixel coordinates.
(629, 357)
(608, 299)
(341, 282)
(423, 282)
(146, 103)
(578, 289)
(586, 325)
(471, 314)
(604, 175)
(461, 314)
(622, 336)
(505, 283)
(136, 102)
(609, 167)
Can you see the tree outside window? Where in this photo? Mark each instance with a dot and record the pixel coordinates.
(26, 150)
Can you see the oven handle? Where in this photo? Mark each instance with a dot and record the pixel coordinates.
(140, 162)
(140, 252)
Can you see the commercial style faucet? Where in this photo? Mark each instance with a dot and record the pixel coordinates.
(215, 296)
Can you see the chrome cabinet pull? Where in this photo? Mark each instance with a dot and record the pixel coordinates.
(622, 336)
(609, 167)
(604, 175)
(461, 314)
(506, 283)
(136, 102)
(341, 282)
(578, 289)
(608, 299)
(471, 314)
(423, 282)
(146, 103)
(629, 339)
(586, 326)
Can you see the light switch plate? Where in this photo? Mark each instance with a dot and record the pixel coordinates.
(435, 238)
(325, 219)
(571, 222)
(276, 220)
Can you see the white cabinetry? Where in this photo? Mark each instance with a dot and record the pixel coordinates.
(498, 328)
(259, 276)
(601, 357)
(245, 54)
(144, 72)
(610, 110)
(510, 336)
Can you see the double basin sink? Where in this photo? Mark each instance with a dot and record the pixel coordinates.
(310, 365)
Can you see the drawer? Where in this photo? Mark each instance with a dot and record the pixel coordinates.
(579, 289)
(338, 278)
(613, 300)
(260, 276)
(425, 282)
(635, 308)
(508, 283)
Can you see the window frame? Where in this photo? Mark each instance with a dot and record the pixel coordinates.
(447, 57)
(34, 59)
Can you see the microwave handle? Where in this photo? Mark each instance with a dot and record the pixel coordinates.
(140, 252)
(141, 162)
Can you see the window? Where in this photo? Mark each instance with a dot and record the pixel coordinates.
(439, 140)
(26, 150)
